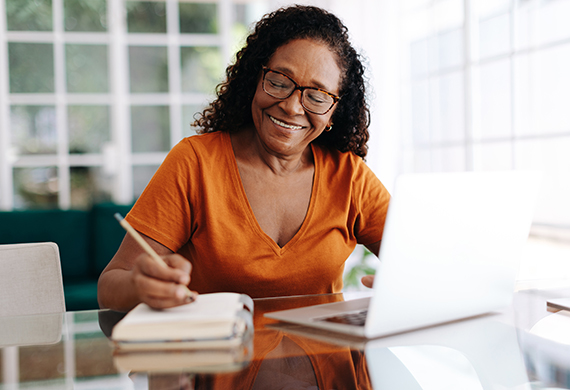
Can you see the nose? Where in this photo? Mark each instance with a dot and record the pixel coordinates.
(292, 105)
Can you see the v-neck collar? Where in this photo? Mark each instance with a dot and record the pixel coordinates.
(242, 196)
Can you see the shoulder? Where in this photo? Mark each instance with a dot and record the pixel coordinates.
(345, 171)
(335, 161)
(205, 141)
(202, 145)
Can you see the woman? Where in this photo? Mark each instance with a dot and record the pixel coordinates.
(273, 197)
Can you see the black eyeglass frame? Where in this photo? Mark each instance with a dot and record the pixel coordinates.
(298, 87)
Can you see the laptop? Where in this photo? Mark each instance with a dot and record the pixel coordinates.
(450, 250)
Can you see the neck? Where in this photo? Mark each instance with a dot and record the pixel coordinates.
(250, 150)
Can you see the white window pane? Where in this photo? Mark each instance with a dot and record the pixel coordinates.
(198, 18)
(89, 186)
(452, 107)
(448, 14)
(451, 48)
(494, 36)
(407, 161)
(523, 107)
(419, 161)
(524, 25)
(87, 68)
(495, 100)
(148, 69)
(551, 81)
(408, 5)
(150, 129)
(417, 25)
(189, 113)
(85, 15)
(420, 113)
(541, 82)
(494, 156)
(486, 8)
(36, 188)
(553, 19)
(552, 157)
(29, 15)
(541, 22)
(141, 177)
(89, 128)
(34, 130)
(435, 111)
(31, 67)
(433, 53)
(448, 159)
(201, 68)
(146, 16)
(419, 58)
(248, 13)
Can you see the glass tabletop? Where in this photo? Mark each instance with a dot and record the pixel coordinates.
(496, 351)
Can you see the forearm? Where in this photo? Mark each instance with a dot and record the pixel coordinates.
(116, 290)
(133, 276)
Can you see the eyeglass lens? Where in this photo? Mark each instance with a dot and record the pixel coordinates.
(281, 87)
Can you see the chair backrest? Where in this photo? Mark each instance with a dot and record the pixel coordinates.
(30, 279)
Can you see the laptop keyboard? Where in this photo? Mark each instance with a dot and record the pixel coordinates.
(354, 318)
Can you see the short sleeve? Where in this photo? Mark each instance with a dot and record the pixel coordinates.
(163, 211)
(371, 200)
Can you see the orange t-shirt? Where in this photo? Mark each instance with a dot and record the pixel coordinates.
(196, 205)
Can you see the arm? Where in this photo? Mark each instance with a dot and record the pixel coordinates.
(372, 200)
(132, 277)
(368, 280)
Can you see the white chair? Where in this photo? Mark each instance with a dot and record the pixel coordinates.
(30, 279)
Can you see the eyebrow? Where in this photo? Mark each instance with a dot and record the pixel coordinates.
(287, 71)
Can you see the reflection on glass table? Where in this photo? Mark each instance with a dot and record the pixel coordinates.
(71, 350)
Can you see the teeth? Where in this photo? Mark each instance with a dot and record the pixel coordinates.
(285, 124)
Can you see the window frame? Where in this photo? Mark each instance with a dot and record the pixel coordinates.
(116, 158)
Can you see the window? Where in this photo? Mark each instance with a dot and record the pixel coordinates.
(486, 86)
(94, 93)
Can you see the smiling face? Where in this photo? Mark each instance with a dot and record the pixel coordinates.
(283, 126)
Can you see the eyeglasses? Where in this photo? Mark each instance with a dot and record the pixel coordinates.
(281, 86)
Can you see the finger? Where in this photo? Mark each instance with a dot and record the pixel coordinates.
(368, 281)
(149, 267)
(157, 303)
(158, 293)
(182, 264)
(161, 303)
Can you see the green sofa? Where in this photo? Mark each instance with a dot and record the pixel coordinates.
(87, 241)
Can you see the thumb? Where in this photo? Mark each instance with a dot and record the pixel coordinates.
(368, 280)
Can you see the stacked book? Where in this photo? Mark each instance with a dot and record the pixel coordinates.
(212, 334)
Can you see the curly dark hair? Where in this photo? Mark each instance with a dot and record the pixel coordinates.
(232, 108)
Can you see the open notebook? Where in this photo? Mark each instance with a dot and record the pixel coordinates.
(450, 250)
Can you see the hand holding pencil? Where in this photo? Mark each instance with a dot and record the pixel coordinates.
(190, 296)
